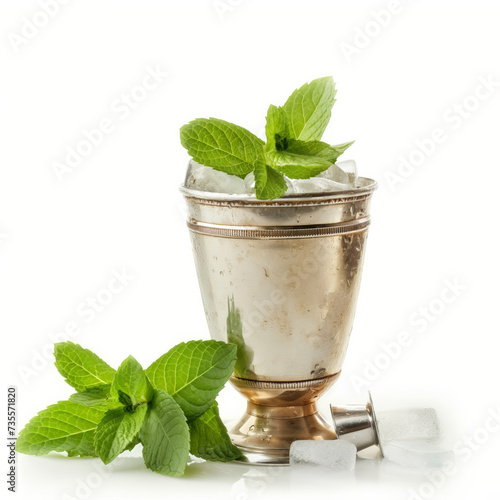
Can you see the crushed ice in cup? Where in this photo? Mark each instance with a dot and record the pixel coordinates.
(336, 174)
(417, 453)
(250, 183)
(340, 176)
(350, 168)
(343, 172)
(408, 424)
(204, 178)
(314, 185)
(335, 454)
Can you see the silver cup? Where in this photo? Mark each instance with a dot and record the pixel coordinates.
(280, 279)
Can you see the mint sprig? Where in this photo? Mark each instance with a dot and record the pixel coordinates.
(114, 410)
(293, 147)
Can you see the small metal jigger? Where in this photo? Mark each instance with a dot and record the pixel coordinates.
(357, 424)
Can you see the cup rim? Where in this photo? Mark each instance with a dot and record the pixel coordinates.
(367, 187)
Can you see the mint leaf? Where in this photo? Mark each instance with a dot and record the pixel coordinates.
(130, 383)
(297, 166)
(81, 368)
(209, 438)
(78, 454)
(309, 108)
(165, 436)
(276, 128)
(269, 184)
(95, 396)
(134, 442)
(222, 145)
(117, 431)
(193, 373)
(318, 148)
(65, 426)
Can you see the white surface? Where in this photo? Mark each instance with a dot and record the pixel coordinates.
(429, 296)
(336, 455)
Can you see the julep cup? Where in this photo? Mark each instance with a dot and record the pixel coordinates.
(280, 279)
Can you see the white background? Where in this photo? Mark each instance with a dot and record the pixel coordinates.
(417, 70)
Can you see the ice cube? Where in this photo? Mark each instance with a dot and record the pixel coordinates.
(349, 167)
(315, 185)
(418, 453)
(410, 423)
(204, 178)
(335, 454)
(336, 174)
(250, 183)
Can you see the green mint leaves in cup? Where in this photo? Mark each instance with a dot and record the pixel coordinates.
(293, 146)
(169, 408)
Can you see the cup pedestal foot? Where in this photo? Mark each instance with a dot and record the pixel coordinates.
(265, 433)
(279, 413)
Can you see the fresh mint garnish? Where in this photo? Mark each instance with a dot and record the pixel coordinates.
(293, 146)
(193, 373)
(114, 410)
(209, 438)
(165, 436)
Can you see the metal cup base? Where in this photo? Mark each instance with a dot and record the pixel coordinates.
(279, 413)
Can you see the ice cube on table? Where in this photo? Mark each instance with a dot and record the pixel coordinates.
(408, 424)
(335, 454)
(417, 453)
(315, 185)
(204, 178)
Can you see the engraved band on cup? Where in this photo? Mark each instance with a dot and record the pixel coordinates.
(277, 232)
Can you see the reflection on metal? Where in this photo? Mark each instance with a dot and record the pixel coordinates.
(243, 366)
